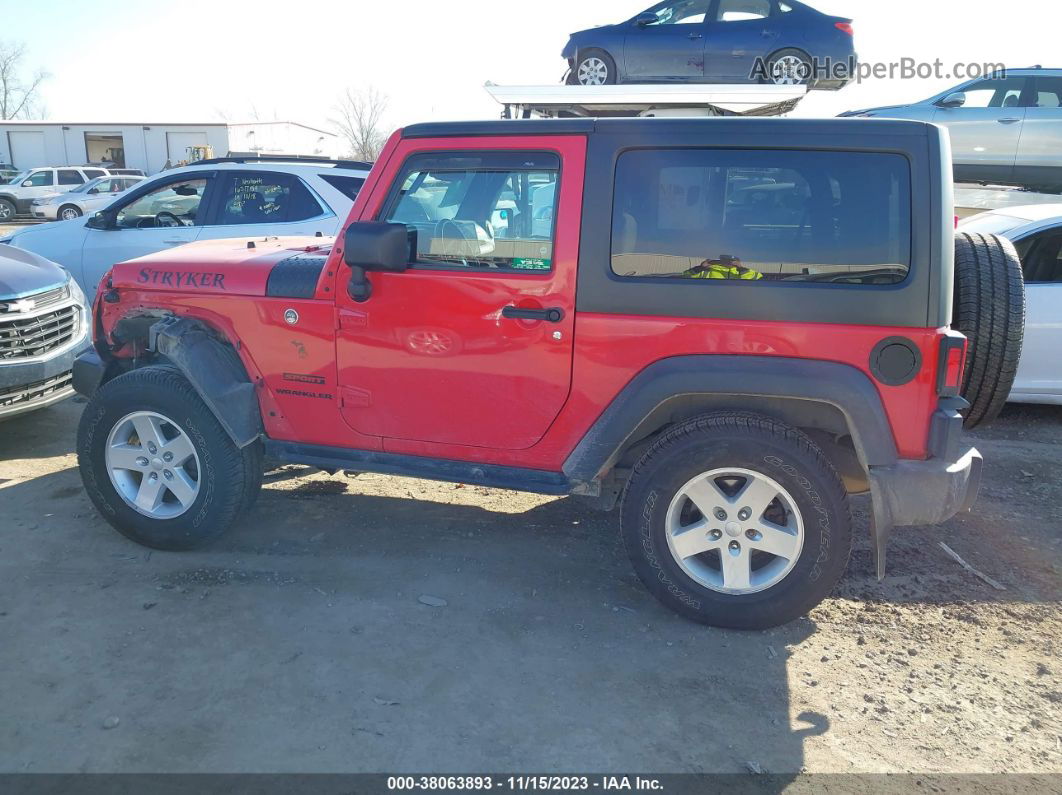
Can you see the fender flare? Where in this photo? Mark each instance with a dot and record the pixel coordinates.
(842, 386)
(215, 371)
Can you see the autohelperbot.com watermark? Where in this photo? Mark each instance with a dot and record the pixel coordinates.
(796, 69)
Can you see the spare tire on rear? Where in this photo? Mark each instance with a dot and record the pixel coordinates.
(990, 310)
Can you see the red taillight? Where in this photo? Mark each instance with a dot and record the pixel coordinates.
(845, 27)
(950, 366)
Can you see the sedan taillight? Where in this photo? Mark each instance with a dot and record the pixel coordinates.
(845, 27)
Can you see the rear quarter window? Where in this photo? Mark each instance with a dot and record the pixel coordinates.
(348, 186)
(762, 216)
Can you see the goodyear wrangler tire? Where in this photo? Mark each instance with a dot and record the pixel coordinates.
(989, 308)
(159, 466)
(736, 520)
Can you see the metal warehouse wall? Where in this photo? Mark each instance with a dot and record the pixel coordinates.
(147, 147)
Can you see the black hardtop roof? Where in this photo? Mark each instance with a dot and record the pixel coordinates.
(643, 126)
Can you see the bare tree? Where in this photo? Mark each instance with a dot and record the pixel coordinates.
(359, 120)
(18, 94)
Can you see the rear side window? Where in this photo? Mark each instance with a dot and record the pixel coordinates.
(348, 186)
(762, 216)
(479, 210)
(68, 176)
(92, 173)
(265, 198)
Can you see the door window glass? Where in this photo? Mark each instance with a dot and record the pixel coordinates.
(741, 10)
(92, 173)
(1041, 258)
(493, 210)
(69, 176)
(1048, 92)
(762, 216)
(173, 204)
(995, 93)
(683, 12)
(266, 198)
(39, 179)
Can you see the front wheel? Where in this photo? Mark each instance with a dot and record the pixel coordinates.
(68, 212)
(593, 68)
(158, 465)
(7, 210)
(736, 520)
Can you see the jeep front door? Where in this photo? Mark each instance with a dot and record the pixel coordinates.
(472, 345)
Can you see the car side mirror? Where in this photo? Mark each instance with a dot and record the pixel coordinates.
(28, 183)
(644, 20)
(100, 220)
(956, 99)
(375, 246)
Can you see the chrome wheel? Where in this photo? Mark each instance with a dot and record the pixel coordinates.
(69, 213)
(790, 70)
(153, 465)
(592, 72)
(734, 531)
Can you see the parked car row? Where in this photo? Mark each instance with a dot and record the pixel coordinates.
(224, 197)
(20, 191)
(93, 195)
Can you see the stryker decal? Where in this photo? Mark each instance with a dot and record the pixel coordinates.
(206, 281)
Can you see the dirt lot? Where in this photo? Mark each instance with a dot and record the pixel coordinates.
(299, 642)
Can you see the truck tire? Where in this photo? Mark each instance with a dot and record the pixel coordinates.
(990, 311)
(737, 520)
(593, 67)
(159, 466)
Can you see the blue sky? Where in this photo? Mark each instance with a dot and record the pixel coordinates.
(198, 61)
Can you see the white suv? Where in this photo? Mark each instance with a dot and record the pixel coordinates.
(16, 197)
(220, 198)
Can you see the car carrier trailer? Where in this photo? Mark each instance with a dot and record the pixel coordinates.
(559, 101)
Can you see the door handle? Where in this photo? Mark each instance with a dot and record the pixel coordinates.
(693, 36)
(768, 34)
(1008, 120)
(552, 315)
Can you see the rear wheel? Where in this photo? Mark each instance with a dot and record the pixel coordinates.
(69, 212)
(159, 466)
(989, 309)
(593, 68)
(789, 67)
(736, 520)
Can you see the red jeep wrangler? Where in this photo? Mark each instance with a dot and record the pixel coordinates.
(725, 326)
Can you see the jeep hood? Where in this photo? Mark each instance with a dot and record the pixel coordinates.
(238, 266)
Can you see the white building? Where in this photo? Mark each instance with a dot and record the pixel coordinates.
(150, 147)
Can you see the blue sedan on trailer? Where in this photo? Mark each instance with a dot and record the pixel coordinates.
(780, 42)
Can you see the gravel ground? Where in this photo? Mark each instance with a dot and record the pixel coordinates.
(381, 624)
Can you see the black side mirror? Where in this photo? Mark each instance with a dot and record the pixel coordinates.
(644, 20)
(100, 220)
(375, 246)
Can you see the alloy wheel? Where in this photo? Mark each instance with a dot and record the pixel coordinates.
(592, 72)
(153, 465)
(734, 531)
